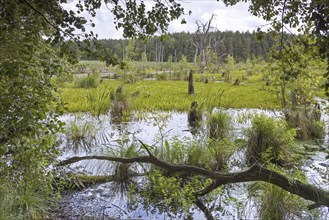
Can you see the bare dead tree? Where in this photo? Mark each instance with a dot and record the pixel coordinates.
(204, 42)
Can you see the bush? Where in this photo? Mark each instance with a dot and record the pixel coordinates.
(308, 125)
(90, 81)
(269, 140)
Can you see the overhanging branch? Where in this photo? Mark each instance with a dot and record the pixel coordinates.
(254, 173)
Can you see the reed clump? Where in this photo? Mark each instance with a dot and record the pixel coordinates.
(80, 136)
(276, 203)
(120, 107)
(220, 125)
(269, 140)
(99, 100)
(307, 123)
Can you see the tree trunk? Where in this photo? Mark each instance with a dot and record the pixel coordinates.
(190, 83)
(196, 55)
(204, 209)
(283, 94)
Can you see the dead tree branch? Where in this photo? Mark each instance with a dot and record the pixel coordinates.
(254, 173)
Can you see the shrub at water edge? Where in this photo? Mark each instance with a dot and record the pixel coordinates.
(270, 138)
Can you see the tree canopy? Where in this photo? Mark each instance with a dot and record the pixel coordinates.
(60, 27)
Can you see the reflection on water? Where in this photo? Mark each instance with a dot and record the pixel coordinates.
(152, 129)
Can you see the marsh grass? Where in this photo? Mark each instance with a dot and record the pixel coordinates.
(276, 203)
(123, 172)
(213, 154)
(220, 125)
(172, 95)
(80, 137)
(76, 99)
(24, 202)
(269, 140)
(99, 100)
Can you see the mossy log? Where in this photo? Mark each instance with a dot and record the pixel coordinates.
(75, 182)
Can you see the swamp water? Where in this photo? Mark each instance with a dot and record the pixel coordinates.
(101, 202)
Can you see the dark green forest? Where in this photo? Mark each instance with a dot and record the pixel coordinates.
(240, 45)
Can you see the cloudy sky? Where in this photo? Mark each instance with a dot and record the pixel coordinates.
(234, 18)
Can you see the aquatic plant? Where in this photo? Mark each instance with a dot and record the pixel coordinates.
(220, 125)
(171, 95)
(99, 100)
(276, 203)
(269, 140)
(123, 172)
(80, 136)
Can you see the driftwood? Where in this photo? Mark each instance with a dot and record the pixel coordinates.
(256, 172)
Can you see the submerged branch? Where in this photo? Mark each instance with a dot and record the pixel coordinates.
(254, 173)
(204, 209)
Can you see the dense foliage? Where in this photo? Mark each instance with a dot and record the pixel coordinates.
(241, 46)
(28, 112)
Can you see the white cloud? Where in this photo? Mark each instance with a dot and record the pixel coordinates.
(104, 21)
(235, 18)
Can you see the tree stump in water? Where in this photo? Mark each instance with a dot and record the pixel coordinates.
(190, 83)
(236, 82)
(194, 115)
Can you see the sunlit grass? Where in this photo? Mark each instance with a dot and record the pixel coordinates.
(172, 95)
